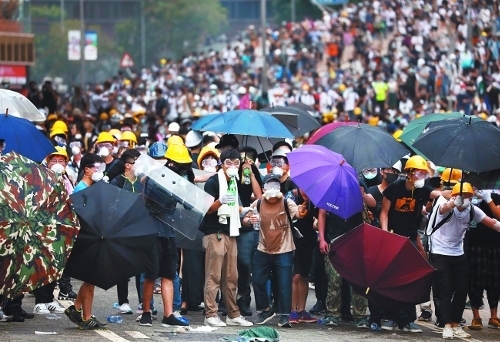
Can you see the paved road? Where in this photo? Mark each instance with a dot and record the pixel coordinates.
(129, 330)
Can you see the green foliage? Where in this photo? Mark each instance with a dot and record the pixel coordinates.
(46, 12)
(303, 9)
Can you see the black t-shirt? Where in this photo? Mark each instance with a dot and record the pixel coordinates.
(482, 235)
(336, 225)
(378, 196)
(211, 222)
(405, 212)
(114, 169)
(305, 225)
(245, 190)
(289, 186)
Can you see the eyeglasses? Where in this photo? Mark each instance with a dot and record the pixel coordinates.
(272, 186)
(209, 162)
(277, 162)
(228, 163)
(107, 145)
(420, 174)
(57, 161)
(75, 144)
(368, 171)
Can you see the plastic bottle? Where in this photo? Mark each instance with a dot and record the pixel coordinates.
(375, 327)
(321, 321)
(232, 189)
(246, 176)
(256, 226)
(114, 319)
(116, 305)
(289, 195)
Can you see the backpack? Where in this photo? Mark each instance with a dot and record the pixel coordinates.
(295, 231)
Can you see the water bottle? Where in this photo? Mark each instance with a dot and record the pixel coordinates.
(289, 195)
(246, 176)
(114, 319)
(116, 305)
(375, 327)
(256, 226)
(232, 189)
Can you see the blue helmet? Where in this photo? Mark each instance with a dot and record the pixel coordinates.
(157, 150)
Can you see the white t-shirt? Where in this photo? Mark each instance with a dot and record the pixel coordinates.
(350, 98)
(448, 240)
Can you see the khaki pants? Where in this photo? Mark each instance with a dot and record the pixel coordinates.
(220, 273)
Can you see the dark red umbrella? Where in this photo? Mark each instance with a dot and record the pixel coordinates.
(384, 267)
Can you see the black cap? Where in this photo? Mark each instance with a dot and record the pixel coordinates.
(228, 140)
(270, 177)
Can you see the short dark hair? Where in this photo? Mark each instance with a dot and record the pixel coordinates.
(129, 155)
(89, 160)
(229, 154)
(183, 130)
(282, 144)
(249, 151)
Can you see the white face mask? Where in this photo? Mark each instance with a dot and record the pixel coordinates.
(419, 183)
(57, 168)
(370, 175)
(115, 150)
(271, 193)
(75, 150)
(210, 169)
(466, 202)
(232, 172)
(97, 176)
(103, 152)
(278, 171)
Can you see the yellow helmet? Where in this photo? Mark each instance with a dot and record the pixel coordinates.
(373, 121)
(328, 117)
(105, 137)
(163, 61)
(206, 151)
(115, 133)
(357, 111)
(52, 117)
(59, 124)
(342, 87)
(416, 162)
(397, 134)
(451, 175)
(178, 153)
(60, 151)
(466, 189)
(57, 131)
(103, 116)
(127, 82)
(175, 140)
(483, 116)
(130, 136)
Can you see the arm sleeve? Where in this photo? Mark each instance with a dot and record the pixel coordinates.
(479, 215)
(292, 208)
(211, 187)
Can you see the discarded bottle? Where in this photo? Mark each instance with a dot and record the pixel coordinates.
(375, 327)
(322, 321)
(114, 319)
(183, 319)
(246, 176)
(232, 189)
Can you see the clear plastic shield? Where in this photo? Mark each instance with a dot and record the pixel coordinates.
(171, 198)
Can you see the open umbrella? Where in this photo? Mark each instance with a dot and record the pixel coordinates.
(327, 129)
(18, 105)
(305, 122)
(488, 180)
(464, 143)
(23, 137)
(364, 146)
(327, 179)
(384, 267)
(416, 126)
(116, 238)
(37, 225)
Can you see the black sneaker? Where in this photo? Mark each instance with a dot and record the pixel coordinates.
(318, 308)
(146, 320)
(173, 321)
(91, 324)
(70, 295)
(244, 308)
(264, 317)
(73, 314)
(425, 316)
(284, 322)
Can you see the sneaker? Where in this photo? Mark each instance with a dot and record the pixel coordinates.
(412, 327)
(264, 317)
(172, 321)
(27, 315)
(460, 333)
(67, 295)
(305, 317)
(387, 325)
(146, 320)
(125, 309)
(91, 324)
(425, 316)
(463, 322)
(448, 333)
(244, 308)
(331, 321)
(55, 307)
(294, 317)
(4, 317)
(41, 309)
(363, 323)
(476, 324)
(214, 322)
(284, 322)
(318, 308)
(73, 314)
(494, 323)
(240, 321)
(438, 327)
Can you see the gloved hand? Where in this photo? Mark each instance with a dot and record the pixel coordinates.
(245, 210)
(459, 201)
(227, 198)
(497, 226)
(484, 194)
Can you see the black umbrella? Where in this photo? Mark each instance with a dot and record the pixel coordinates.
(183, 242)
(364, 146)
(116, 237)
(464, 143)
(306, 123)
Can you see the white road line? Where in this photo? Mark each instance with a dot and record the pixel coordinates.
(433, 328)
(111, 336)
(136, 334)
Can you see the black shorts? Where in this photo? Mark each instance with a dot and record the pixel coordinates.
(302, 258)
(163, 259)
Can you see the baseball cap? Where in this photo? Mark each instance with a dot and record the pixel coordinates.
(228, 140)
(270, 177)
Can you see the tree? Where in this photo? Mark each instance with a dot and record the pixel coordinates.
(303, 9)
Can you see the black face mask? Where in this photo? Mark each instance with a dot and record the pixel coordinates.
(391, 177)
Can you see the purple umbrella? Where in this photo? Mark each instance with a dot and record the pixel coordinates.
(327, 179)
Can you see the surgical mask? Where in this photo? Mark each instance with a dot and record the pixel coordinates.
(75, 150)
(391, 177)
(466, 202)
(210, 169)
(115, 149)
(271, 193)
(419, 183)
(103, 152)
(232, 172)
(97, 176)
(57, 168)
(278, 171)
(370, 175)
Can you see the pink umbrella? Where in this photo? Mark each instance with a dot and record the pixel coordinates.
(327, 129)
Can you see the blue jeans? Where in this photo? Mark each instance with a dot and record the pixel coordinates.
(177, 292)
(281, 266)
(245, 242)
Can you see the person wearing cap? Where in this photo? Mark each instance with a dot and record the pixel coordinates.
(104, 147)
(446, 230)
(127, 139)
(58, 137)
(280, 167)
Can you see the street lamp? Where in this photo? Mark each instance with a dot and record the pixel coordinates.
(82, 46)
(264, 64)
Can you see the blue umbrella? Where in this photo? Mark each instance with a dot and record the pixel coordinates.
(327, 179)
(244, 122)
(23, 137)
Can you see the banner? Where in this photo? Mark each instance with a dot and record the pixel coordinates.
(74, 45)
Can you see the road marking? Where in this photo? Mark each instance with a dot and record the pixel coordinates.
(434, 330)
(111, 336)
(136, 334)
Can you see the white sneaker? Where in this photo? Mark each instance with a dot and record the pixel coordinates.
(459, 332)
(214, 322)
(448, 333)
(55, 307)
(241, 321)
(125, 309)
(41, 309)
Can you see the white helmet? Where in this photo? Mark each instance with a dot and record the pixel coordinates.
(242, 90)
(193, 138)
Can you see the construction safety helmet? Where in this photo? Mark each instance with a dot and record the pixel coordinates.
(451, 175)
(416, 162)
(105, 137)
(193, 138)
(58, 131)
(466, 189)
(128, 136)
(175, 140)
(60, 151)
(178, 153)
(59, 124)
(158, 149)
